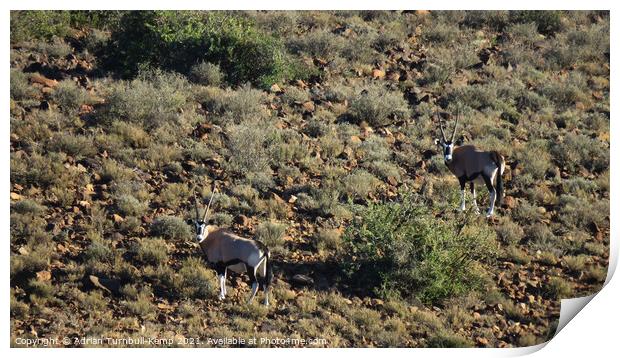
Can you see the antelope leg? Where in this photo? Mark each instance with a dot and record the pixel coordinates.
(462, 181)
(252, 273)
(224, 281)
(489, 184)
(254, 289)
(221, 275)
(266, 302)
(473, 194)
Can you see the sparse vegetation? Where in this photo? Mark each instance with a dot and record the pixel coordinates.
(317, 128)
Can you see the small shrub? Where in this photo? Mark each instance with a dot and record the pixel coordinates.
(141, 305)
(360, 183)
(112, 171)
(535, 159)
(206, 74)
(20, 88)
(131, 134)
(69, 97)
(402, 248)
(174, 194)
(379, 107)
(128, 205)
(328, 239)
(548, 22)
(171, 227)
(271, 234)
(75, 145)
(196, 281)
(445, 339)
(509, 232)
(578, 150)
(247, 146)
(99, 251)
(557, 288)
(575, 264)
(153, 251)
(151, 100)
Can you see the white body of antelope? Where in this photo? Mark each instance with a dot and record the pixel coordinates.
(225, 251)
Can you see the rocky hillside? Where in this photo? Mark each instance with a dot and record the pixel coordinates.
(318, 130)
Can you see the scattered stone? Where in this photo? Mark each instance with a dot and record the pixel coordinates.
(106, 284)
(275, 88)
(377, 73)
(308, 106)
(44, 275)
(15, 196)
(37, 78)
(242, 220)
(510, 202)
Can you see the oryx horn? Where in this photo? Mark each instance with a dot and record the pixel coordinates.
(209, 205)
(455, 124)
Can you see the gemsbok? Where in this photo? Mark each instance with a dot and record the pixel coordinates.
(471, 165)
(224, 250)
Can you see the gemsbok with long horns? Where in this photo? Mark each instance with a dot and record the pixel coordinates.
(471, 165)
(224, 250)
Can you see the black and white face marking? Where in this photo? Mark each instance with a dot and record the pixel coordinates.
(201, 230)
(447, 151)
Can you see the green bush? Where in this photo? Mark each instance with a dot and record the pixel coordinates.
(171, 227)
(196, 281)
(151, 100)
(152, 251)
(174, 40)
(578, 150)
(271, 234)
(402, 248)
(69, 97)
(206, 74)
(28, 25)
(548, 22)
(379, 106)
(20, 87)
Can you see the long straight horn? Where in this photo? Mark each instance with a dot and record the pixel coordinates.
(196, 207)
(204, 218)
(443, 134)
(455, 124)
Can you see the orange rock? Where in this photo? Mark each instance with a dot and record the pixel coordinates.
(308, 106)
(377, 73)
(355, 139)
(15, 196)
(275, 88)
(44, 275)
(37, 78)
(510, 202)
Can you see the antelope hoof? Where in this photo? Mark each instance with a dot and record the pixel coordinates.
(489, 214)
(221, 297)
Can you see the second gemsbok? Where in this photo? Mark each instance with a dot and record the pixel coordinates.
(471, 165)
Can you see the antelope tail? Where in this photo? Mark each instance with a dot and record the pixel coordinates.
(499, 161)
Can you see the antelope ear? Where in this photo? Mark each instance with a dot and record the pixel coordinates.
(189, 221)
(437, 142)
(460, 140)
